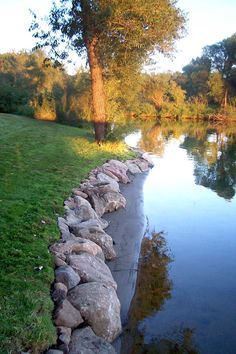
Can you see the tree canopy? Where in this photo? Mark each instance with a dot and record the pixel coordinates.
(114, 34)
(222, 56)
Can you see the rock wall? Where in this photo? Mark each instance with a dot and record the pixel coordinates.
(87, 309)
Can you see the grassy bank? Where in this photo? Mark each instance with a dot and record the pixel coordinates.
(40, 163)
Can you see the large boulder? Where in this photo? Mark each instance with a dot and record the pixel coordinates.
(89, 224)
(76, 246)
(85, 341)
(100, 308)
(79, 193)
(132, 167)
(96, 234)
(104, 200)
(58, 261)
(102, 187)
(118, 164)
(82, 213)
(64, 334)
(67, 276)
(91, 269)
(102, 177)
(66, 315)
(113, 201)
(142, 164)
(108, 173)
(146, 156)
(97, 202)
(116, 171)
(59, 293)
(64, 229)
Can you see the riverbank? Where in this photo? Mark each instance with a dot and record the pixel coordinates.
(84, 291)
(127, 227)
(40, 163)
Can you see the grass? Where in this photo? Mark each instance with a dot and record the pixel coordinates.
(39, 164)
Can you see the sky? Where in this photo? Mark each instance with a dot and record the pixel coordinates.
(209, 21)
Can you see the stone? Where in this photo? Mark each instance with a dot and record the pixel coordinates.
(58, 261)
(100, 308)
(89, 224)
(104, 187)
(66, 315)
(132, 167)
(142, 164)
(85, 341)
(118, 164)
(64, 348)
(91, 269)
(113, 201)
(77, 246)
(83, 214)
(59, 293)
(102, 177)
(67, 276)
(92, 177)
(84, 211)
(64, 334)
(79, 193)
(110, 174)
(97, 202)
(148, 158)
(54, 351)
(120, 174)
(70, 217)
(98, 235)
(60, 255)
(70, 202)
(64, 229)
(105, 199)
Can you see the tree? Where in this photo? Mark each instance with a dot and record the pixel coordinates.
(223, 60)
(31, 87)
(216, 87)
(195, 77)
(109, 32)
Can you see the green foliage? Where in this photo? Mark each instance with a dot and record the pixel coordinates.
(210, 81)
(40, 163)
(195, 77)
(163, 94)
(216, 87)
(125, 31)
(31, 87)
(222, 56)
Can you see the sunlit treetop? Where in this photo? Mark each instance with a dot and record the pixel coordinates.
(123, 30)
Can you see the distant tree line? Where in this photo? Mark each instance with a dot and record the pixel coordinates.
(206, 88)
(32, 85)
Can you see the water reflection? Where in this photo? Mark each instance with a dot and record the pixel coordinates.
(153, 288)
(214, 162)
(212, 148)
(191, 306)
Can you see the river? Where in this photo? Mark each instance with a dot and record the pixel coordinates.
(185, 299)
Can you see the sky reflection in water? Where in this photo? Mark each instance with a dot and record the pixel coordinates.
(190, 196)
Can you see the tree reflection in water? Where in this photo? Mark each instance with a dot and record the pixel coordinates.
(214, 160)
(211, 146)
(153, 288)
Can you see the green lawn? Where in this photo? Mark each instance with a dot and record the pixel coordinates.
(39, 164)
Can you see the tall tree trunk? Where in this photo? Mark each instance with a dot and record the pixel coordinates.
(98, 94)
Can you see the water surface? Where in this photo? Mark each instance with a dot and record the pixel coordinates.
(185, 299)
